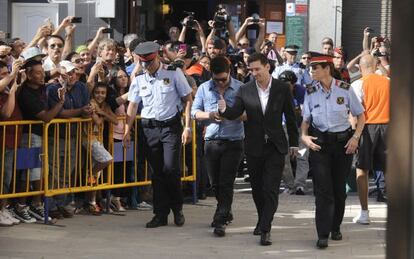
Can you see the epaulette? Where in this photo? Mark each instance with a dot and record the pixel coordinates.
(310, 89)
(140, 73)
(344, 85)
(172, 67)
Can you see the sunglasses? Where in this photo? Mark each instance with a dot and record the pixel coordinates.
(222, 80)
(53, 46)
(4, 56)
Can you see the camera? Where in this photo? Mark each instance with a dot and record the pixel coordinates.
(190, 20)
(221, 18)
(76, 20)
(256, 18)
(107, 30)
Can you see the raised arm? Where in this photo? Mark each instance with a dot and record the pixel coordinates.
(96, 40)
(261, 37)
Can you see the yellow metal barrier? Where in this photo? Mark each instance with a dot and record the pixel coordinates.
(67, 159)
(19, 147)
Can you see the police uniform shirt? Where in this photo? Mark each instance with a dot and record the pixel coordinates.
(160, 93)
(329, 111)
(302, 74)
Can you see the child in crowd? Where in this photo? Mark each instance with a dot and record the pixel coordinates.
(101, 158)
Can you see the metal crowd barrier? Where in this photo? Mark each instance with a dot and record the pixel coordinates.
(65, 159)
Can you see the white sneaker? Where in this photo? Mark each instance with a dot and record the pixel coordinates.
(144, 206)
(362, 218)
(10, 216)
(4, 221)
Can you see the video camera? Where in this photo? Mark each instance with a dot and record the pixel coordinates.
(221, 18)
(190, 20)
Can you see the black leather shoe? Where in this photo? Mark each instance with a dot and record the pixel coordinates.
(322, 243)
(157, 221)
(220, 230)
(336, 235)
(265, 239)
(179, 218)
(257, 231)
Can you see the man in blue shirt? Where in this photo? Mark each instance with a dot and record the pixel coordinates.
(164, 93)
(76, 105)
(223, 138)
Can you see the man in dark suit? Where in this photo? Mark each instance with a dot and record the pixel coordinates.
(264, 100)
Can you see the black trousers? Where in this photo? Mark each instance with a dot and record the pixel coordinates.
(164, 147)
(330, 168)
(222, 161)
(265, 175)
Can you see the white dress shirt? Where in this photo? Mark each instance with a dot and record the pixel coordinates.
(264, 94)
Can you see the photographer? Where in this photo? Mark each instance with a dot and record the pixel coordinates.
(190, 23)
(219, 24)
(240, 35)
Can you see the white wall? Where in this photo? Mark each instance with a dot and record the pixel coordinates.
(322, 22)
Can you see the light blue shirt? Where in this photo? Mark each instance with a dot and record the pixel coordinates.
(160, 94)
(302, 74)
(329, 111)
(206, 100)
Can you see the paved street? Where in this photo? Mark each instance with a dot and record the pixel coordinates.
(111, 236)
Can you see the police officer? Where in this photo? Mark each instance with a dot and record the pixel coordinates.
(301, 73)
(331, 142)
(164, 93)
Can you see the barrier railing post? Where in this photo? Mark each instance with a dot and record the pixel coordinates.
(45, 167)
(194, 158)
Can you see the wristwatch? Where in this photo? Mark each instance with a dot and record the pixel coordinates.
(355, 137)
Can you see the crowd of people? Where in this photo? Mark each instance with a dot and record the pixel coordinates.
(287, 118)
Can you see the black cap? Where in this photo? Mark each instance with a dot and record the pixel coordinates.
(146, 48)
(291, 48)
(288, 76)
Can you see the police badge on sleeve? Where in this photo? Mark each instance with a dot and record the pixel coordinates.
(340, 100)
(166, 81)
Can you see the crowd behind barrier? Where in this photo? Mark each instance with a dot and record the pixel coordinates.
(65, 161)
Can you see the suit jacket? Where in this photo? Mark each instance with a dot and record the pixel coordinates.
(257, 125)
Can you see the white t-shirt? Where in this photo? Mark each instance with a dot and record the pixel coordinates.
(359, 91)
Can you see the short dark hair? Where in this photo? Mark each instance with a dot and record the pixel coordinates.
(56, 37)
(100, 84)
(220, 64)
(134, 43)
(258, 57)
(70, 55)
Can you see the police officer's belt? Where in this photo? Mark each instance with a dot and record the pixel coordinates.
(152, 123)
(332, 137)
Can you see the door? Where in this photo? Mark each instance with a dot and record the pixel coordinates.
(28, 17)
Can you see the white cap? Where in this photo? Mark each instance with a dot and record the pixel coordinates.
(32, 53)
(67, 65)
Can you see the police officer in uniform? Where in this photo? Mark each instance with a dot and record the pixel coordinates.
(331, 142)
(300, 71)
(164, 93)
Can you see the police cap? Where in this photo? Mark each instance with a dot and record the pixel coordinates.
(292, 49)
(147, 51)
(318, 58)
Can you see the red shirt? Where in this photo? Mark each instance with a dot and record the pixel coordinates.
(10, 129)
